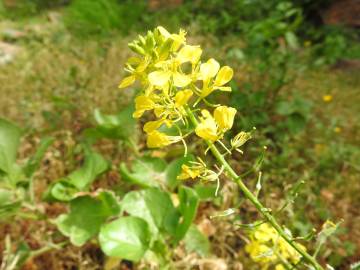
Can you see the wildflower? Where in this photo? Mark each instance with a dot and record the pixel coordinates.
(157, 139)
(212, 128)
(209, 70)
(327, 98)
(266, 245)
(188, 172)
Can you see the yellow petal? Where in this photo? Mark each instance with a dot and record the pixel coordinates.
(187, 172)
(142, 104)
(209, 69)
(127, 81)
(164, 32)
(182, 97)
(223, 88)
(152, 125)
(157, 139)
(224, 117)
(189, 54)
(181, 80)
(207, 128)
(224, 76)
(159, 78)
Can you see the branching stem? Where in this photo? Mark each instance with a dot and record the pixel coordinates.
(265, 212)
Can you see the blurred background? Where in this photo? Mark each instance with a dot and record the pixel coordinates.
(297, 80)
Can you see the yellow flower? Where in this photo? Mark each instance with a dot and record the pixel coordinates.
(327, 98)
(223, 77)
(142, 104)
(189, 54)
(224, 117)
(207, 128)
(157, 139)
(188, 172)
(182, 97)
(127, 81)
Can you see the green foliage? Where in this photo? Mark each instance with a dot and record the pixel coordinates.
(16, 183)
(65, 189)
(126, 238)
(101, 17)
(195, 241)
(87, 214)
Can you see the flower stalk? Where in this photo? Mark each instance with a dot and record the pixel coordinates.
(253, 199)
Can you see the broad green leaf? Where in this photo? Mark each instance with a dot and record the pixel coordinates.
(34, 162)
(152, 205)
(86, 216)
(146, 172)
(189, 201)
(120, 126)
(9, 143)
(127, 238)
(195, 241)
(205, 192)
(79, 180)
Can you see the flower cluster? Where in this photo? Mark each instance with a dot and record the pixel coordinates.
(171, 74)
(268, 249)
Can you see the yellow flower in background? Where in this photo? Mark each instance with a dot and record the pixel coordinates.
(337, 129)
(224, 117)
(182, 97)
(266, 245)
(190, 54)
(157, 139)
(188, 172)
(207, 128)
(142, 104)
(327, 98)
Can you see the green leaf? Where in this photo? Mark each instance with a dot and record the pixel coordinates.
(146, 172)
(86, 216)
(9, 204)
(296, 122)
(34, 162)
(205, 192)
(81, 179)
(195, 241)
(127, 238)
(189, 201)
(9, 142)
(120, 126)
(152, 205)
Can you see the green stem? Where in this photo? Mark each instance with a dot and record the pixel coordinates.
(266, 213)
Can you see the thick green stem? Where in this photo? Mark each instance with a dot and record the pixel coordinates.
(266, 213)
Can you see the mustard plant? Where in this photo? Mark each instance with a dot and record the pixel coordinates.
(175, 85)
